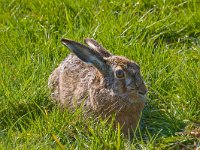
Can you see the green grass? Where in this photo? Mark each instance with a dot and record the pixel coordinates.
(162, 36)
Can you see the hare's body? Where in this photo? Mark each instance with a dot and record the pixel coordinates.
(70, 81)
(111, 85)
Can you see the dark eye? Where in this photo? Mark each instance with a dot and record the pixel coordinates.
(119, 73)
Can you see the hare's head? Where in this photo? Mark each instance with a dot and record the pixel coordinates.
(119, 74)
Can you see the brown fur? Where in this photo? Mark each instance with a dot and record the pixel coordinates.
(75, 82)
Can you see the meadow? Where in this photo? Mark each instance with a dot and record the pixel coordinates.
(162, 36)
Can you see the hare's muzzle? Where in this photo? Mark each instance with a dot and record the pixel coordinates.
(142, 89)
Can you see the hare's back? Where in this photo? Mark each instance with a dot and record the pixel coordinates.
(72, 67)
(70, 80)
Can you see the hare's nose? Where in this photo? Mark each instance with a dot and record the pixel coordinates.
(142, 89)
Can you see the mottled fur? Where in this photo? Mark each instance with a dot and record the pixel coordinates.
(96, 84)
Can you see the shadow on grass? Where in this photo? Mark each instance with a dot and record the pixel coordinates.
(159, 121)
(163, 130)
(17, 115)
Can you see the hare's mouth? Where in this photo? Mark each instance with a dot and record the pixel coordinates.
(137, 96)
(142, 93)
(133, 97)
(136, 91)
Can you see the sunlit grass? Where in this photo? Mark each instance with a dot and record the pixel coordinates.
(162, 36)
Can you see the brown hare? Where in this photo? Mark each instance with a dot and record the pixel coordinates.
(105, 83)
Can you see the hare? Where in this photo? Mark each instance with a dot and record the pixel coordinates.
(105, 83)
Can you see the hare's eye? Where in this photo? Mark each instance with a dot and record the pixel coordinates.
(119, 73)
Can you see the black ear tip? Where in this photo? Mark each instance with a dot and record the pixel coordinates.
(65, 41)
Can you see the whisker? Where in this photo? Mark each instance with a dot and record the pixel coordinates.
(111, 110)
(123, 106)
(115, 103)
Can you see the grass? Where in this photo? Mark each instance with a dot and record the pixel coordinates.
(162, 36)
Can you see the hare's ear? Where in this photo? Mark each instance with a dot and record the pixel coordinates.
(87, 55)
(97, 47)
